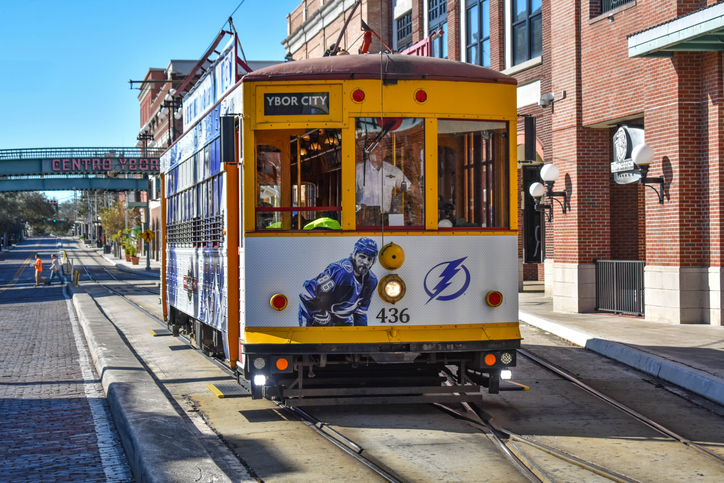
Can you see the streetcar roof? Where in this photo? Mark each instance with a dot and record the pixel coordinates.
(367, 66)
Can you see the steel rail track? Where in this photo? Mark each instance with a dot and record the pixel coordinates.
(636, 415)
(230, 372)
(345, 444)
(92, 253)
(506, 440)
(342, 442)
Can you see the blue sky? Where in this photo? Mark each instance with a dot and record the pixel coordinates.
(65, 65)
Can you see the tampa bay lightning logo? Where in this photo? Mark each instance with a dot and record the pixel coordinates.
(447, 277)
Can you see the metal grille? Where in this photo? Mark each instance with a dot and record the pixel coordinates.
(607, 5)
(198, 232)
(620, 286)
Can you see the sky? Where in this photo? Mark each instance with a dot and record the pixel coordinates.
(65, 65)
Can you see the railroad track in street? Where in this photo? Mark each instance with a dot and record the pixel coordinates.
(528, 455)
(370, 439)
(368, 458)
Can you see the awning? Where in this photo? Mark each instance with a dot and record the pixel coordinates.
(699, 31)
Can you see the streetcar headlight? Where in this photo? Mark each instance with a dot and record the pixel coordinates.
(506, 374)
(391, 288)
(259, 380)
(259, 363)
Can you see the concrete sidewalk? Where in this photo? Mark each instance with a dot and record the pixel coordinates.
(150, 268)
(689, 356)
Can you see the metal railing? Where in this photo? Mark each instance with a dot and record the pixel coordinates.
(608, 5)
(620, 286)
(45, 153)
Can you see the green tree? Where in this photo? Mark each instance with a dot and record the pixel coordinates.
(113, 218)
(9, 212)
(35, 208)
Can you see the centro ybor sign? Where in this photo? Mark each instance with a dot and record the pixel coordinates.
(296, 104)
(101, 165)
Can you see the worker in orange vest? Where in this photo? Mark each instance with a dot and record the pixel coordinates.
(39, 270)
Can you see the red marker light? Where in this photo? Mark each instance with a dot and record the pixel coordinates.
(490, 359)
(358, 95)
(494, 298)
(420, 96)
(278, 302)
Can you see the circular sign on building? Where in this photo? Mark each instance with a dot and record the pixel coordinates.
(623, 168)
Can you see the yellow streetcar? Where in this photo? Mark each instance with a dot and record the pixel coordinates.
(344, 229)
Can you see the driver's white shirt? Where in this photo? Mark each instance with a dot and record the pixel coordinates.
(369, 185)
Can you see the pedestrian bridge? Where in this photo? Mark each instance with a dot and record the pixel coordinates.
(67, 169)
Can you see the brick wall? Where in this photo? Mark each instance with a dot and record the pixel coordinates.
(713, 145)
(378, 15)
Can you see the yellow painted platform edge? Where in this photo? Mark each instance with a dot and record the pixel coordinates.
(215, 390)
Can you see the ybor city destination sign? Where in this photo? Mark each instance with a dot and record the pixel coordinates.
(115, 166)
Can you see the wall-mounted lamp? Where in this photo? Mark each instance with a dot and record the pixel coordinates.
(642, 155)
(549, 175)
(549, 100)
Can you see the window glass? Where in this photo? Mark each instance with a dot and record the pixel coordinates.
(520, 44)
(473, 178)
(536, 6)
(519, 9)
(473, 54)
(390, 166)
(404, 31)
(472, 25)
(437, 19)
(485, 7)
(290, 198)
(527, 30)
(477, 18)
(536, 37)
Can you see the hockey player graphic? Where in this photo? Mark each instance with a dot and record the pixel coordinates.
(340, 296)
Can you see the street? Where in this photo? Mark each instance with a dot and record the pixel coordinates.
(56, 423)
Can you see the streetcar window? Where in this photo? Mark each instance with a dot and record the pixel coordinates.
(298, 180)
(473, 174)
(390, 166)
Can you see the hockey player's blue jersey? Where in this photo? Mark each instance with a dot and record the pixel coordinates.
(336, 298)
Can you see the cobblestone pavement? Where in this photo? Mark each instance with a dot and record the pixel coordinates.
(56, 425)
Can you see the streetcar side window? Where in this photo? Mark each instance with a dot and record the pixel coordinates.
(473, 178)
(298, 180)
(389, 172)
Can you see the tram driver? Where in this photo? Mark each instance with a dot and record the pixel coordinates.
(378, 185)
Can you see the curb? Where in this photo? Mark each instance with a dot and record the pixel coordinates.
(124, 268)
(159, 444)
(689, 378)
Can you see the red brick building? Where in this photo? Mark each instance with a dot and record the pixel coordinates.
(652, 70)
(161, 124)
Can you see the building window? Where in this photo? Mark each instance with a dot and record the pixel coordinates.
(527, 24)
(437, 20)
(608, 5)
(477, 40)
(404, 31)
